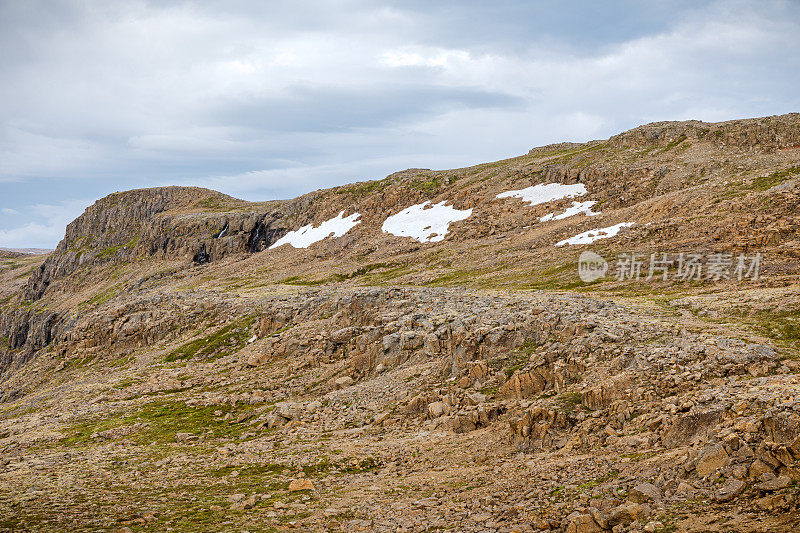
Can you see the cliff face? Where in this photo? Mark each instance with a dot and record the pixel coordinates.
(160, 223)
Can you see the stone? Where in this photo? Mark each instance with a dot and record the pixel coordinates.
(437, 409)
(730, 490)
(711, 459)
(288, 410)
(758, 468)
(644, 493)
(583, 523)
(769, 503)
(476, 398)
(625, 514)
(653, 526)
(297, 485)
(343, 382)
(772, 485)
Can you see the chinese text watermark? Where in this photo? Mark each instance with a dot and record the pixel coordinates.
(664, 266)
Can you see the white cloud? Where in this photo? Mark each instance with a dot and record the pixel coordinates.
(257, 101)
(47, 227)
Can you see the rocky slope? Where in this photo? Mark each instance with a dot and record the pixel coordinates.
(164, 369)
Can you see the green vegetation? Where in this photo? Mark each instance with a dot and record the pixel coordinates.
(364, 188)
(249, 470)
(347, 466)
(515, 360)
(228, 339)
(763, 183)
(101, 297)
(568, 401)
(781, 325)
(457, 277)
(388, 268)
(676, 142)
(111, 250)
(431, 184)
(161, 421)
(214, 204)
(613, 474)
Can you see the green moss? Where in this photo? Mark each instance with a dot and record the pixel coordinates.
(674, 143)
(101, 297)
(613, 474)
(228, 339)
(111, 250)
(161, 422)
(431, 184)
(250, 470)
(214, 204)
(568, 401)
(454, 278)
(767, 182)
(337, 277)
(781, 325)
(365, 188)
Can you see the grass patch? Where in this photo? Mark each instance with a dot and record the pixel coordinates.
(101, 297)
(161, 422)
(228, 339)
(613, 474)
(763, 183)
(111, 250)
(250, 470)
(432, 184)
(568, 401)
(364, 188)
(387, 268)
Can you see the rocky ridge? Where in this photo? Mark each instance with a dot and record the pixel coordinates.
(164, 370)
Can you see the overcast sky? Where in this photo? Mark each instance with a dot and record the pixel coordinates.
(272, 99)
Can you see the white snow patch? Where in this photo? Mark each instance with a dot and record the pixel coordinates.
(546, 192)
(588, 237)
(308, 235)
(423, 223)
(576, 209)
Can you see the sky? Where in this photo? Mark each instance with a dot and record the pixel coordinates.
(272, 99)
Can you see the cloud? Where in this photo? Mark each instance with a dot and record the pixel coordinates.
(46, 228)
(278, 98)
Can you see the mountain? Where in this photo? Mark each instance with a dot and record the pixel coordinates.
(422, 352)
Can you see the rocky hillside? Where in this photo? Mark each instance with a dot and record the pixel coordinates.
(418, 353)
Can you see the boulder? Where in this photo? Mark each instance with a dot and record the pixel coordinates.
(772, 485)
(711, 459)
(644, 493)
(437, 409)
(729, 491)
(343, 382)
(625, 514)
(582, 523)
(300, 484)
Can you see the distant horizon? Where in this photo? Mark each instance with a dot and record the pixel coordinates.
(271, 101)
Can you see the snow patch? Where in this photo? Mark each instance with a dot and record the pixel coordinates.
(308, 235)
(423, 222)
(546, 192)
(588, 237)
(576, 209)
